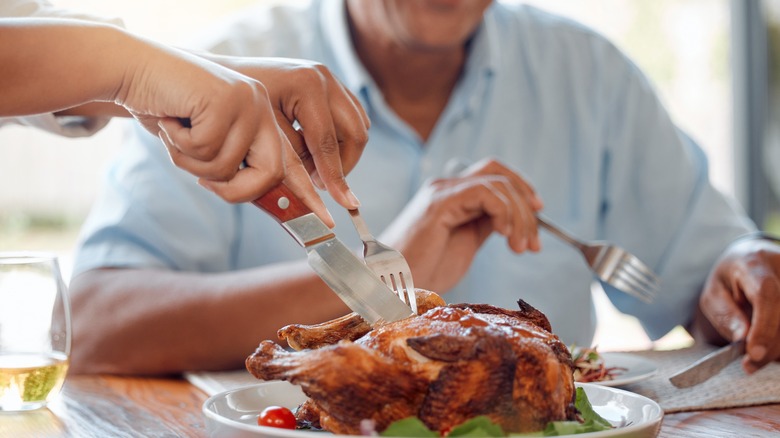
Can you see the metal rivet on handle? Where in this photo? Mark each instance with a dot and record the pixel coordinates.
(283, 203)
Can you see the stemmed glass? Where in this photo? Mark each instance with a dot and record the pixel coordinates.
(34, 330)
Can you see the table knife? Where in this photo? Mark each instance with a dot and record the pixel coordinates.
(708, 366)
(339, 267)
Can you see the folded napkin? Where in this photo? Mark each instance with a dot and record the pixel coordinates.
(214, 382)
(731, 388)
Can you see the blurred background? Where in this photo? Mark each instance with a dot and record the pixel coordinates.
(715, 64)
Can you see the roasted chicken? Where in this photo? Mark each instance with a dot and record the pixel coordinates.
(444, 366)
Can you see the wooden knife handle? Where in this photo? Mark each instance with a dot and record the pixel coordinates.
(282, 204)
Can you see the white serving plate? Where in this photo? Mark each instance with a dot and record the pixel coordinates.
(233, 413)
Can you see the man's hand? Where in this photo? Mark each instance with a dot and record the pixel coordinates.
(741, 299)
(442, 228)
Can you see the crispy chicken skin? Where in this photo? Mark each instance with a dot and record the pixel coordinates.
(349, 327)
(444, 366)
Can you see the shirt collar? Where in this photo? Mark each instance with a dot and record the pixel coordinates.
(335, 30)
(482, 63)
(484, 52)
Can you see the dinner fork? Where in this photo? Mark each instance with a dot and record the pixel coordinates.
(612, 264)
(387, 263)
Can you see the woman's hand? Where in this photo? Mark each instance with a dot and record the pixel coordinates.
(235, 119)
(332, 126)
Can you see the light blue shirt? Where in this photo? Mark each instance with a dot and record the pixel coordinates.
(543, 94)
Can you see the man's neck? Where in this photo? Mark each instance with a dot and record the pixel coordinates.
(416, 84)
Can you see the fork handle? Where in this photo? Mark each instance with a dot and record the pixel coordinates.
(554, 229)
(360, 225)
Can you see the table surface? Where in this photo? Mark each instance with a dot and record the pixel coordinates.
(111, 406)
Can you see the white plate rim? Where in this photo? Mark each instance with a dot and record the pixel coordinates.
(275, 432)
(612, 359)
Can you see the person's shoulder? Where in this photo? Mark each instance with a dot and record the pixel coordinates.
(534, 20)
(551, 32)
(258, 30)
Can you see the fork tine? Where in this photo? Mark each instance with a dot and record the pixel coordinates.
(645, 295)
(631, 270)
(386, 281)
(625, 280)
(642, 291)
(387, 263)
(635, 264)
(411, 296)
(630, 287)
(612, 264)
(394, 285)
(634, 267)
(398, 287)
(401, 285)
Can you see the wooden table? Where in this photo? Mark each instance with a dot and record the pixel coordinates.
(108, 406)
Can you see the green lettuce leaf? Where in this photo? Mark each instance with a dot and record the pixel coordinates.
(408, 427)
(593, 421)
(482, 426)
(586, 410)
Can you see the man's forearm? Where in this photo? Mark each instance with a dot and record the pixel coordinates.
(158, 322)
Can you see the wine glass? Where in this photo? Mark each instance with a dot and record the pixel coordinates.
(34, 330)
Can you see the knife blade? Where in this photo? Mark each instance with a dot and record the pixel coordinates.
(339, 267)
(708, 366)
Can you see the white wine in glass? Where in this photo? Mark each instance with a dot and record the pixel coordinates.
(34, 330)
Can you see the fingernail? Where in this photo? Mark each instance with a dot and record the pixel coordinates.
(353, 200)
(162, 136)
(315, 177)
(737, 329)
(749, 367)
(328, 215)
(205, 184)
(757, 353)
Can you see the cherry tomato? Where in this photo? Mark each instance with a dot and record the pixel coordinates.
(277, 416)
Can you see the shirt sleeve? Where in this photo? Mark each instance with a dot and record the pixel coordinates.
(70, 126)
(658, 202)
(44, 8)
(24, 8)
(153, 214)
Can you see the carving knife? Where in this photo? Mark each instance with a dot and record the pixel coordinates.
(339, 267)
(708, 366)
